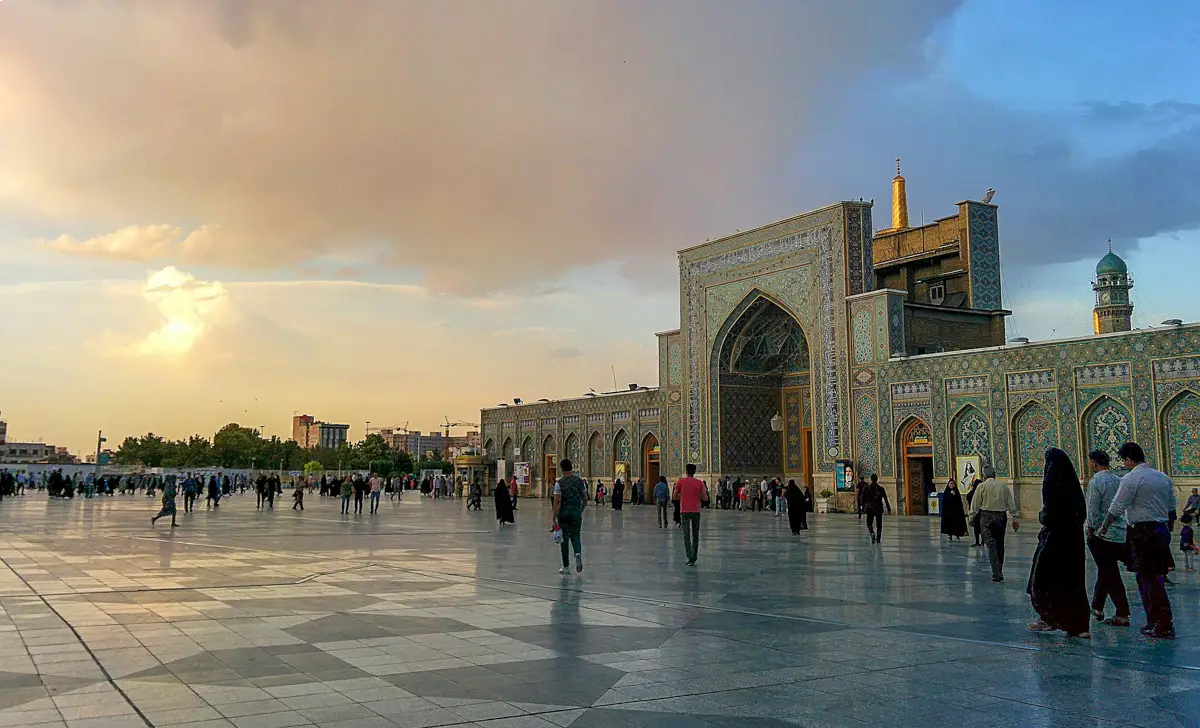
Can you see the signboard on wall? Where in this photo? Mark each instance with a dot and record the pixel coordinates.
(966, 469)
(521, 474)
(843, 475)
(621, 472)
(501, 470)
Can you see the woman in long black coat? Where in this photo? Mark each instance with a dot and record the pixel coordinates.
(954, 516)
(504, 509)
(797, 508)
(618, 495)
(1056, 579)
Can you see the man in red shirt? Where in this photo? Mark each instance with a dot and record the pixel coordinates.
(690, 493)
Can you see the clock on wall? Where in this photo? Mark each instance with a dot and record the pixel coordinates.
(1105, 297)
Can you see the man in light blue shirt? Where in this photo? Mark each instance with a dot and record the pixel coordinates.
(662, 500)
(1108, 550)
(1146, 498)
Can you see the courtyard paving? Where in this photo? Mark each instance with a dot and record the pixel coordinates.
(426, 615)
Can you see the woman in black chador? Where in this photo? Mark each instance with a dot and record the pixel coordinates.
(797, 508)
(618, 495)
(504, 509)
(954, 516)
(1056, 579)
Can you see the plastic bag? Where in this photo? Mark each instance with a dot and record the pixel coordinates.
(557, 536)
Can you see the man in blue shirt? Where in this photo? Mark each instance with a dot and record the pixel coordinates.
(1108, 550)
(1147, 499)
(662, 499)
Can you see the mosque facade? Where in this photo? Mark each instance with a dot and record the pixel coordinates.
(819, 350)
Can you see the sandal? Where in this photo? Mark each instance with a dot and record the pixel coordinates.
(1117, 621)
(1039, 625)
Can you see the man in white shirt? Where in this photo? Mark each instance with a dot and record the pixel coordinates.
(993, 502)
(1146, 499)
(1108, 550)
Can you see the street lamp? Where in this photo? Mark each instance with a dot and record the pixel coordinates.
(777, 423)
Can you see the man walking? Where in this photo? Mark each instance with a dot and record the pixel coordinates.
(1146, 497)
(1110, 549)
(872, 498)
(858, 491)
(993, 502)
(690, 493)
(570, 497)
(662, 499)
(376, 484)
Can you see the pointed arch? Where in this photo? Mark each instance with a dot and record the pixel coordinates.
(651, 459)
(508, 449)
(1106, 424)
(622, 450)
(595, 455)
(489, 448)
(1034, 431)
(548, 446)
(1181, 434)
(571, 450)
(971, 433)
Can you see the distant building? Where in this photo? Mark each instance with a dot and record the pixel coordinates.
(30, 452)
(332, 436)
(306, 431)
(3, 432)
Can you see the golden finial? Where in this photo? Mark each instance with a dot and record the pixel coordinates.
(1110, 245)
(897, 166)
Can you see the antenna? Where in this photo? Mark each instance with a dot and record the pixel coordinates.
(614, 373)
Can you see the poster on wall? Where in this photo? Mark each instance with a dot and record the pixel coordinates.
(843, 475)
(501, 470)
(621, 472)
(966, 469)
(521, 475)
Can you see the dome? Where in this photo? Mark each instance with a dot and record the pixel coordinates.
(1111, 264)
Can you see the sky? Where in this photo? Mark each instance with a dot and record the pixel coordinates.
(237, 210)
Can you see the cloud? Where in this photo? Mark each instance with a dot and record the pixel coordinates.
(135, 242)
(565, 352)
(1059, 199)
(489, 144)
(188, 307)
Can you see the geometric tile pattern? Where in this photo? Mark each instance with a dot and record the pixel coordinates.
(427, 615)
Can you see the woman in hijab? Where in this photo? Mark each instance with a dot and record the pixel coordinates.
(954, 516)
(618, 494)
(504, 509)
(795, 506)
(1056, 579)
(809, 507)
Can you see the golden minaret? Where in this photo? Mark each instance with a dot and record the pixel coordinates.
(899, 201)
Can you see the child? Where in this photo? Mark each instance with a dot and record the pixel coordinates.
(1187, 542)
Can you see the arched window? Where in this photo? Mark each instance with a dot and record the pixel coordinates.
(1181, 435)
(1106, 426)
(971, 434)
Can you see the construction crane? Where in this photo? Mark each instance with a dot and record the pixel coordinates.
(392, 428)
(448, 424)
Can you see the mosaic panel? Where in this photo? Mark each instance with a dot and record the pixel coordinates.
(596, 418)
(1181, 432)
(571, 450)
(866, 432)
(748, 442)
(984, 257)
(622, 416)
(596, 460)
(1102, 374)
(910, 390)
(895, 322)
(651, 413)
(528, 424)
(1026, 381)
(1187, 367)
(1107, 425)
(674, 450)
(863, 344)
(793, 423)
(863, 377)
(856, 267)
(664, 374)
(881, 328)
(967, 385)
(972, 434)
(674, 361)
(550, 422)
(622, 452)
(549, 446)
(1036, 431)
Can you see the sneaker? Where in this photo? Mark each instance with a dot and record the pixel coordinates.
(564, 570)
(1039, 625)
(1082, 636)
(691, 563)
(1098, 615)
(579, 563)
(1117, 621)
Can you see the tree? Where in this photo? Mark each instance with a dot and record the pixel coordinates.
(235, 446)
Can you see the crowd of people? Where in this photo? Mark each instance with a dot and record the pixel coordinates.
(1120, 520)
